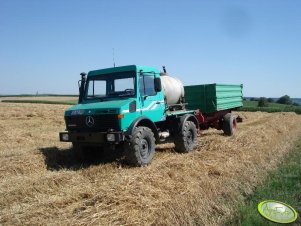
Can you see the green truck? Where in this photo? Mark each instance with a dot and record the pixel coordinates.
(133, 108)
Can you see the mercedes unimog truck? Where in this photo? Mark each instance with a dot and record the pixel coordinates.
(133, 108)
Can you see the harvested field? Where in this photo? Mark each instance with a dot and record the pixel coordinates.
(45, 98)
(42, 183)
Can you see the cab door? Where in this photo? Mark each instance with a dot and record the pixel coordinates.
(152, 102)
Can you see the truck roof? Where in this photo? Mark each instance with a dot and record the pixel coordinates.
(122, 69)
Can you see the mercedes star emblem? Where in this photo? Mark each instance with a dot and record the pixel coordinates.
(89, 121)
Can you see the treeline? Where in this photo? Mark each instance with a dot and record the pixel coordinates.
(264, 102)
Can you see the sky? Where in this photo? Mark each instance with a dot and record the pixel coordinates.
(45, 45)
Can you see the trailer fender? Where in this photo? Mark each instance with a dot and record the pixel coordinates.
(143, 121)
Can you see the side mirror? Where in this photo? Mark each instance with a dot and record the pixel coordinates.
(81, 86)
(158, 86)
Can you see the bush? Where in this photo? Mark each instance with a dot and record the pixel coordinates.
(253, 99)
(263, 102)
(270, 100)
(285, 100)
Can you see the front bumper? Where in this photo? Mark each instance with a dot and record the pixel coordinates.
(92, 137)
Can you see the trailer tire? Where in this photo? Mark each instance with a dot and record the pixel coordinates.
(229, 124)
(186, 140)
(140, 149)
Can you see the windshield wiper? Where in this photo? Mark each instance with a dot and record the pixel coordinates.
(95, 98)
(125, 95)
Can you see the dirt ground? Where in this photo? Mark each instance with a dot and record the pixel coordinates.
(42, 183)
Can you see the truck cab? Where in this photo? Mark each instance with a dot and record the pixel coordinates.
(119, 95)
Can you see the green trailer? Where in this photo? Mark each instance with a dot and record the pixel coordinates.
(211, 98)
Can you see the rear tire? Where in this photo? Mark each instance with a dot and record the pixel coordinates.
(140, 149)
(186, 140)
(229, 124)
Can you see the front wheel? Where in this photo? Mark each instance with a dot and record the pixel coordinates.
(140, 149)
(186, 140)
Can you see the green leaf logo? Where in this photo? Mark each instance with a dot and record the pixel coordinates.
(278, 212)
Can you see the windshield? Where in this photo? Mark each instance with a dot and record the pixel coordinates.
(111, 85)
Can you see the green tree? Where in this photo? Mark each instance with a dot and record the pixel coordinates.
(270, 100)
(263, 102)
(285, 100)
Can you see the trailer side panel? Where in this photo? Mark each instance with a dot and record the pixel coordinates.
(213, 97)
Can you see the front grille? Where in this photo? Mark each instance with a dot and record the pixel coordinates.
(102, 123)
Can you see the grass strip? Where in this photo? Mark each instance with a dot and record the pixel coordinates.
(283, 185)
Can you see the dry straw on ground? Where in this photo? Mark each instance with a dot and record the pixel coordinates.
(42, 183)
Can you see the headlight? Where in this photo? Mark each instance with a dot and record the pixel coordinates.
(110, 137)
(65, 137)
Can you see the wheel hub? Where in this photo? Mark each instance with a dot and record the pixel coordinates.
(144, 148)
(234, 124)
(189, 137)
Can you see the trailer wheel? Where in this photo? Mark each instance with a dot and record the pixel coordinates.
(140, 149)
(229, 124)
(186, 140)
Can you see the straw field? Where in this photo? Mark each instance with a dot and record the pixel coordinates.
(42, 183)
(41, 98)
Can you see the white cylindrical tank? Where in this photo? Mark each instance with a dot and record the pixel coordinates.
(173, 89)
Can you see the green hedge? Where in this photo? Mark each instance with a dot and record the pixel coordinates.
(271, 109)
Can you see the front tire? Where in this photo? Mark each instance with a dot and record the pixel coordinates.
(140, 149)
(186, 140)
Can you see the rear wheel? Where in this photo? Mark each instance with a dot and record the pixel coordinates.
(186, 140)
(140, 149)
(229, 124)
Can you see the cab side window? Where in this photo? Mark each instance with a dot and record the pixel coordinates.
(147, 85)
